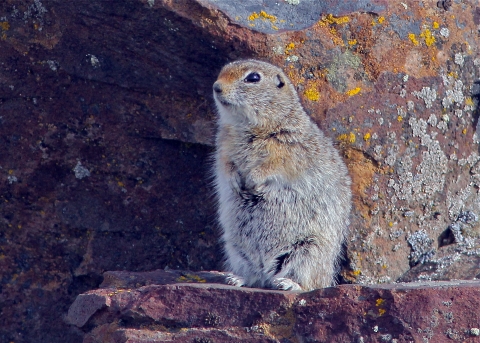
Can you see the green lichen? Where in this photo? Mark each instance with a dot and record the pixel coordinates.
(336, 70)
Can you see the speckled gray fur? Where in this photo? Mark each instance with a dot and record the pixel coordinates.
(283, 191)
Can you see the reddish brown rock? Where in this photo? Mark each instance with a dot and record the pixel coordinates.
(106, 123)
(205, 312)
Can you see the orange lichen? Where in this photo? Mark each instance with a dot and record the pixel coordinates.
(452, 74)
(253, 16)
(354, 91)
(362, 171)
(4, 25)
(350, 137)
(262, 15)
(289, 47)
(312, 94)
(330, 19)
(191, 278)
(428, 36)
(413, 38)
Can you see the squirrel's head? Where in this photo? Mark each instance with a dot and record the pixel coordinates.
(253, 92)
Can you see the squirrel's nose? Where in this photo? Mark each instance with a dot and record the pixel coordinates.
(217, 87)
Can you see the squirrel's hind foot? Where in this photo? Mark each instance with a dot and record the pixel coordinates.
(234, 280)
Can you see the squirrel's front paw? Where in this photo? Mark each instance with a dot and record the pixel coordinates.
(285, 284)
(234, 280)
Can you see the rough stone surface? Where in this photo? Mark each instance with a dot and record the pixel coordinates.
(106, 125)
(204, 312)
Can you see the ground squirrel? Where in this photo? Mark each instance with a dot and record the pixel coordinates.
(283, 190)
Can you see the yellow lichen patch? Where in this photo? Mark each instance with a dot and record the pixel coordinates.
(435, 25)
(330, 19)
(4, 25)
(289, 47)
(469, 101)
(381, 311)
(428, 36)
(390, 224)
(262, 15)
(190, 278)
(381, 20)
(347, 138)
(354, 91)
(413, 38)
(352, 42)
(357, 272)
(399, 118)
(464, 131)
(283, 329)
(379, 302)
(367, 136)
(452, 74)
(312, 94)
(253, 16)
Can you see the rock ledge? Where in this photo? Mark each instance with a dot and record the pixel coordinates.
(163, 306)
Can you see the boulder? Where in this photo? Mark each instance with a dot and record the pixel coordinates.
(107, 123)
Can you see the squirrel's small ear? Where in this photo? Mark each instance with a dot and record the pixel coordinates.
(279, 80)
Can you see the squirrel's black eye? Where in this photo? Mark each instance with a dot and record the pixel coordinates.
(252, 77)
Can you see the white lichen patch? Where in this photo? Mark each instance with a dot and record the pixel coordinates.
(37, 12)
(459, 59)
(432, 120)
(94, 61)
(12, 179)
(421, 244)
(475, 332)
(428, 177)
(456, 202)
(292, 58)
(410, 106)
(455, 92)
(278, 50)
(151, 2)
(80, 171)
(427, 94)
(53, 65)
(293, 2)
(445, 32)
